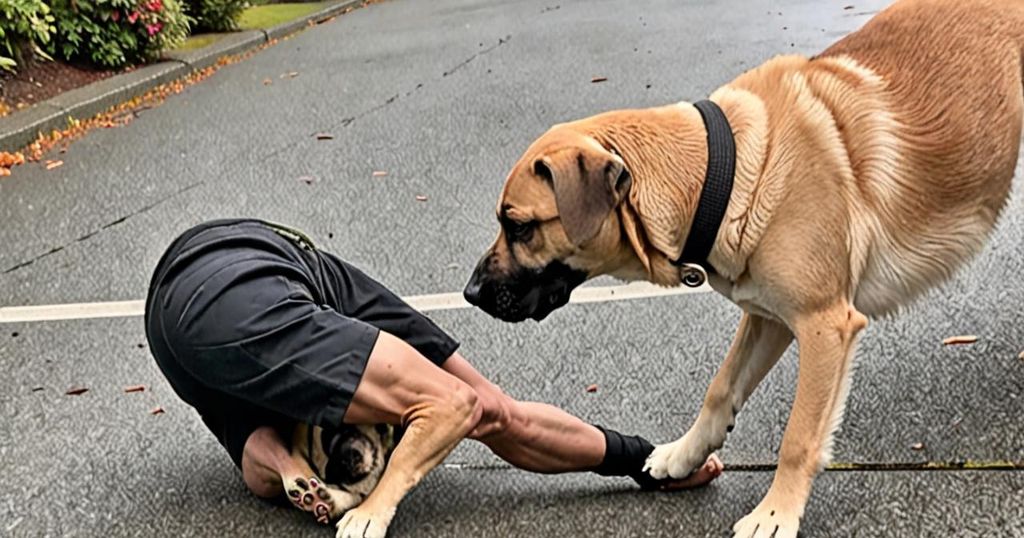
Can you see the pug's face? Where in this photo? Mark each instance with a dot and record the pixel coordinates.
(350, 458)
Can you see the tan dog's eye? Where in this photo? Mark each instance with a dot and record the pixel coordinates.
(520, 231)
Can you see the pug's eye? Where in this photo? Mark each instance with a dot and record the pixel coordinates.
(520, 231)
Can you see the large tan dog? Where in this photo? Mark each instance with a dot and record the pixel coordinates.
(863, 176)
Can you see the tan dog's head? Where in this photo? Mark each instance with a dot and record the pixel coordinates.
(559, 226)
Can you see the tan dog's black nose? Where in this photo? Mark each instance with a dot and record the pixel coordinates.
(474, 288)
(472, 292)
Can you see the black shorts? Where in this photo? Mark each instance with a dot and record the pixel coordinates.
(253, 326)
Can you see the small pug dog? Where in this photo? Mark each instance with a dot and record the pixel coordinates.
(349, 460)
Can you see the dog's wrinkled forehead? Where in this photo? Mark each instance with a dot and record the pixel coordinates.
(527, 193)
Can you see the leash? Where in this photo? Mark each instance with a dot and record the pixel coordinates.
(714, 196)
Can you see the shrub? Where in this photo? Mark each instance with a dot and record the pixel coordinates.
(23, 23)
(216, 15)
(112, 33)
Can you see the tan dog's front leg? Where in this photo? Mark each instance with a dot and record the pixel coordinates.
(827, 341)
(757, 347)
(432, 432)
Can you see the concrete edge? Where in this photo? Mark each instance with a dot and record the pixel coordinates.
(291, 27)
(22, 127)
(227, 45)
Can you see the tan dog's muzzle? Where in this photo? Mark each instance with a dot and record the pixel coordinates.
(522, 293)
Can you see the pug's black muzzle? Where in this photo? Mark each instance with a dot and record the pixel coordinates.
(526, 293)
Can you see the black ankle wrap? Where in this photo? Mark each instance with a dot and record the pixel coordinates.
(625, 456)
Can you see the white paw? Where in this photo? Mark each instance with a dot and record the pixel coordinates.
(360, 522)
(676, 459)
(767, 522)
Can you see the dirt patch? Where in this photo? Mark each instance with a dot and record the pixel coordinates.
(39, 80)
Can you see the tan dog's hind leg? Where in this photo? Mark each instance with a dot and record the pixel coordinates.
(758, 344)
(827, 341)
(432, 432)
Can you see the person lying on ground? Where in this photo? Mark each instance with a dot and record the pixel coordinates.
(266, 336)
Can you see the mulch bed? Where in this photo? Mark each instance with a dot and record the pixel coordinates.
(39, 80)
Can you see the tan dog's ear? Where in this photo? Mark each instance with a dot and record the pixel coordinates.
(588, 185)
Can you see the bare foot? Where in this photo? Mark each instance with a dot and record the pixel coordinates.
(711, 469)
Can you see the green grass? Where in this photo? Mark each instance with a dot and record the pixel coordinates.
(263, 17)
(198, 41)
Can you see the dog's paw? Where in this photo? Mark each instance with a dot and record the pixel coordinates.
(362, 522)
(767, 521)
(677, 459)
(313, 496)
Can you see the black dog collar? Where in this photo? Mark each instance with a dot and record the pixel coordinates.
(714, 195)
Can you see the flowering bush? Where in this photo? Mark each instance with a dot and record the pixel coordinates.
(23, 24)
(216, 15)
(113, 33)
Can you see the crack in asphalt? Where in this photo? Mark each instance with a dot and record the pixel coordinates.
(99, 230)
(351, 119)
(466, 62)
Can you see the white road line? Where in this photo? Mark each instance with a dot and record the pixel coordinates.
(425, 303)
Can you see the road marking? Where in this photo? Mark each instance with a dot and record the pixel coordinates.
(425, 303)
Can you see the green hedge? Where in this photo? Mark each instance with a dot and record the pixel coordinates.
(113, 33)
(108, 33)
(216, 15)
(23, 24)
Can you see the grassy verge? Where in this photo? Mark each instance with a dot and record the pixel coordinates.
(263, 17)
(258, 17)
(198, 41)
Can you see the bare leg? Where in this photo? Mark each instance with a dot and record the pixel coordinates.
(543, 438)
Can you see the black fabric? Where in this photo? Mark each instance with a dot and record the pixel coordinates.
(254, 326)
(626, 455)
(714, 195)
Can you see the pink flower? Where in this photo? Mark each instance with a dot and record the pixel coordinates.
(153, 28)
(134, 16)
(115, 15)
(155, 5)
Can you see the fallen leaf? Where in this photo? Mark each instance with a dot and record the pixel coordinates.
(324, 136)
(308, 180)
(592, 388)
(917, 446)
(4, 172)
(50, 165)
(1021, 356)
(453, 266)
(598, 79)
(290, 74)
(421, 198)
(75, 391)
(156, 411)
(37, 389)
(962, 339)
(848, 8)
(267, 82)
(134, 388)
(379, 173)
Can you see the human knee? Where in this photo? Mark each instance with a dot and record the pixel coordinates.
(464, 403)
(498, 412)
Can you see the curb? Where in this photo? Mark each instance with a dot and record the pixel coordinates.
(24, 126)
